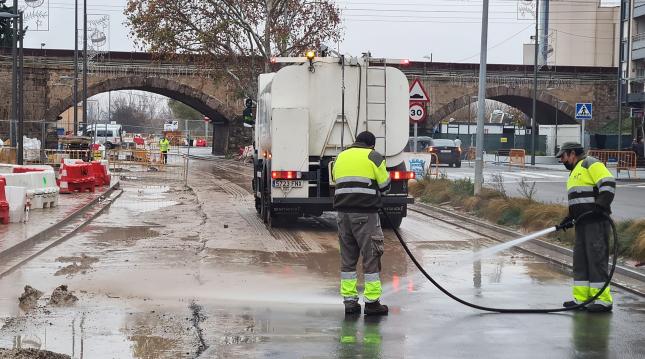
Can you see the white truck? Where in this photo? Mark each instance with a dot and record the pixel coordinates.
(307, 113)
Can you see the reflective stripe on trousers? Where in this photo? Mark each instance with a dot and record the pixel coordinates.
(583, 291)
(372, 287)
(348, 289)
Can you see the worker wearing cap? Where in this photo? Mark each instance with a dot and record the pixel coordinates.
(590, 189)
(164, 145)
(361, 178)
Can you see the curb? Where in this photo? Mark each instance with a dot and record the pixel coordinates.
(622, 270)
(12, 253)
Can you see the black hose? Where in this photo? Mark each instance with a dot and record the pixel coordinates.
(510, 310)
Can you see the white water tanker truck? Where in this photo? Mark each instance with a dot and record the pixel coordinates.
(307, 113)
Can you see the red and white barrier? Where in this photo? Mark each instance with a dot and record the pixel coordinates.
(4, 204)
(76, 177)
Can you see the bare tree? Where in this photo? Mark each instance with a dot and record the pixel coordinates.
(230, 32)
(527, 189)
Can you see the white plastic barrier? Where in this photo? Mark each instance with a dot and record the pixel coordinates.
(17, 198)
(43, 192)
(6, 168)
(40, 187)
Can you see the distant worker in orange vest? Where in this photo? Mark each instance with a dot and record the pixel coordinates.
(164, 145)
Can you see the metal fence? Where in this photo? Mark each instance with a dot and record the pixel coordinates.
(42, 157)
(152, 165)
(621, 160)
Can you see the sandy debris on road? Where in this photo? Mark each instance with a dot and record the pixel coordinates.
(62, 297)
(79, 264)
(30, 354)
(29, 298)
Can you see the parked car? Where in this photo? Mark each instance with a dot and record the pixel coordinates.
(447, 151)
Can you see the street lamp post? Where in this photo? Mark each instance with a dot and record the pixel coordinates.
(16, 105)
(479, 151)
(470, 133)
(535, 84)
(21, 87)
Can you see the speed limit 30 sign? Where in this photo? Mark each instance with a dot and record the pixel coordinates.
(417, 112)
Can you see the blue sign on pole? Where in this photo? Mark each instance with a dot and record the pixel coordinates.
(418, 166)
(584, 111)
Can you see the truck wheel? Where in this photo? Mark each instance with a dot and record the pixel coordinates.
(274, 221)
(265, 200)
(264, 208)
(458, 164)
(258, 205)
(396, 220)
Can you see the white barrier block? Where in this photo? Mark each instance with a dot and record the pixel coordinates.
(6, 168)
(17, 198)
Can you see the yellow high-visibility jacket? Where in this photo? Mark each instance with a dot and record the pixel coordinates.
(361, 176)
(590, 184)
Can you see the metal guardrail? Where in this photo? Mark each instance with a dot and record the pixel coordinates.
(639, 37)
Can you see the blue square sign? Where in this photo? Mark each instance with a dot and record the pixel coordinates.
(584, 111)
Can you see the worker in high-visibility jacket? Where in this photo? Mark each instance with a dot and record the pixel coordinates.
(164, 146)
(591, 188)
(361, 178)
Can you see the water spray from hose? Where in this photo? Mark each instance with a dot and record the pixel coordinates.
(508, 245)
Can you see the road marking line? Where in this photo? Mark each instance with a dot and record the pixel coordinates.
(552, 176)
(526, 175)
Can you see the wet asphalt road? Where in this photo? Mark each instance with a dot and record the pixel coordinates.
(186, 274)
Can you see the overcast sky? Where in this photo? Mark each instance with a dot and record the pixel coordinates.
(449, 30)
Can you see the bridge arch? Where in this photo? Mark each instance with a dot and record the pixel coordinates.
(520, 98)
(214, 108)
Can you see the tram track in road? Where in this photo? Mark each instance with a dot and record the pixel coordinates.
(223, 166)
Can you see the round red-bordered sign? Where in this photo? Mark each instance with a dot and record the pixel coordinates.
(417, 112)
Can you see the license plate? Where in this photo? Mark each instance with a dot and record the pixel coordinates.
(445, 151)
(287, 184)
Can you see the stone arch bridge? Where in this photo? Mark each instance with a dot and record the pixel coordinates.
(450, 87)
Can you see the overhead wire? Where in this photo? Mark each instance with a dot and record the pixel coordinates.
(499, 43)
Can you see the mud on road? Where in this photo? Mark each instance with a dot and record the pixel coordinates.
(174, 272)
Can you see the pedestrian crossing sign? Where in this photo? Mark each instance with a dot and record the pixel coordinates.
(584, 111)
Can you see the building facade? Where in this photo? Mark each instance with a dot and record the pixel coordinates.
(576, 33)
(633, 64)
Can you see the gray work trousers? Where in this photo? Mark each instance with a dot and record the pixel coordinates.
(591, 252)
(360, 234)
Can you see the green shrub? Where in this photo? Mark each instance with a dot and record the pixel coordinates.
(529, 215)
(463, 187)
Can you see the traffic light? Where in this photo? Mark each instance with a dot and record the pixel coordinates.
(247, 113)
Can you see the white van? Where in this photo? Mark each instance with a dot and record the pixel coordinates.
(110, 135)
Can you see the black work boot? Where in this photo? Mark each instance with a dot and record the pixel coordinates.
(352, 307)
(572, 303)
(599, 308)
(375, 308)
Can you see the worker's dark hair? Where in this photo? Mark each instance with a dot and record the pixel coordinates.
(367, 138)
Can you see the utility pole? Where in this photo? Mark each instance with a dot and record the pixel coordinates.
(14, 75)
(619, 90)
(75, 90)
(535, 84)
(479, 158)
(21, 87)
(85, 63)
